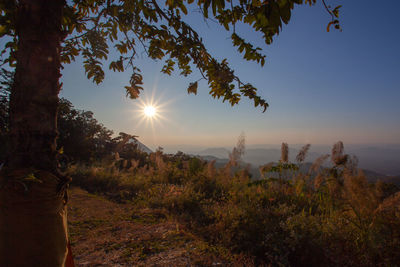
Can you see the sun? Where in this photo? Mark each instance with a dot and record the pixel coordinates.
(149, 111)
(152, 111)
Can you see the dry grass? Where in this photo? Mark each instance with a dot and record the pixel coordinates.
(104, 233)
(327, 216)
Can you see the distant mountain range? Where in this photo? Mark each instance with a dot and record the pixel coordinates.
(377, 163)
(256, 156)
(140, 145)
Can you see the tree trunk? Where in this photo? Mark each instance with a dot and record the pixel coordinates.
(34, 94)
(33, 230)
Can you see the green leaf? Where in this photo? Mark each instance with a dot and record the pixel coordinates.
(31, 178)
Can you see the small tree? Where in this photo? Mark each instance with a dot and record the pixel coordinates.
(44, 34)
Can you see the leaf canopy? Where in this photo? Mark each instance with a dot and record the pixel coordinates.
(91, 28)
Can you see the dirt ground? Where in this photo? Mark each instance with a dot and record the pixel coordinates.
(105, 233)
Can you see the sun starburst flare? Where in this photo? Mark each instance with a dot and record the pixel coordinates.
(152, 113)
(149, 111)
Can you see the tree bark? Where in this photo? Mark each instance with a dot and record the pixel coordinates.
(34, 94)
(33, 230)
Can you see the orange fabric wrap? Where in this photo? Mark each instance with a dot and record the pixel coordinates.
(33, 221)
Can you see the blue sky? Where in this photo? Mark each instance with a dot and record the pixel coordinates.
(322, 87)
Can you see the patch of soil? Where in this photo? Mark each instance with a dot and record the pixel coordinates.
(105, 233)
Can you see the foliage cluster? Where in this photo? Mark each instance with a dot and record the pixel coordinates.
(327, 217)
(81, 138)
(92, 29)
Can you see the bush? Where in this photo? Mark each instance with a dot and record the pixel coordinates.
(328, 217)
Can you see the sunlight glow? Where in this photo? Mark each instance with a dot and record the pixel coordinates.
(149, 111)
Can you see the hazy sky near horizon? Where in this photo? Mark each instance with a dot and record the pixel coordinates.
(322, 87)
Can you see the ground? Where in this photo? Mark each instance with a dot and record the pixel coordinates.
(106, 233)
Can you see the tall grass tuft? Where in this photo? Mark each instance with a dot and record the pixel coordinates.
(238, 151)
(284, 153)
(301, 156)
